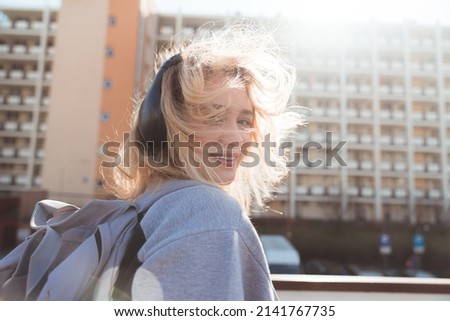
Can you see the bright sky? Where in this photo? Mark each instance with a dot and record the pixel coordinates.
(427, 11)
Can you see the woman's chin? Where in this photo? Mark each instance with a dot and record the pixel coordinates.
(225, 176)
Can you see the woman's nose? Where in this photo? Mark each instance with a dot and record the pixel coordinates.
(233, 135)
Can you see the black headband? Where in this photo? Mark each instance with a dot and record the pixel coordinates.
(151, 124)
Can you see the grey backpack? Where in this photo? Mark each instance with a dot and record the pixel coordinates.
(76, 253)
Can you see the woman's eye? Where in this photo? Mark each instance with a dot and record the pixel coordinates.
(245, 123)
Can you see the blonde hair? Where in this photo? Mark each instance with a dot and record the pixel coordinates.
(236, 56)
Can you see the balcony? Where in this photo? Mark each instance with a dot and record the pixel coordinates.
(419, 167)
(389, 65)
(353, 164)
(391, 90)
(400, 192)
(433, 193)
(419, 140)
(317, 87)
(301, 190)
(367, 191)
(318, 111)
(10, 125)
(29, 100)
(166, 31)
(352, 138)
(433, 167)
(31, 75)
(318, 137)
(399, 140)
(333, 190)
(333, 112)
(358, 64)
(353, 191)
(21, 180)
(37, 180)
(19, 49)
(317, 190)
(432, 116)
(53, 25)
(21, 24)
(34, 50)
(385, 114)
(13, 99)
(332, 87)
(4, 48)
(418, 193)
(365, 113)
(352, 113)
(50, 51)
(399, 167)
(431, 141)
(36, 25)
(386, 192)
(16, 74)
(356, 88)
(391, 42)
(8, 152)
(386, 166)
(40, 153)
(24, 152)
(26, 126)
(6, 179)
(43, 127)
(45, 101)
(366, 165)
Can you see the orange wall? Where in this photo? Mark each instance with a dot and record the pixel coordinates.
(120, 68)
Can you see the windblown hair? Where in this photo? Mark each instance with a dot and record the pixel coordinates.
(213, 61)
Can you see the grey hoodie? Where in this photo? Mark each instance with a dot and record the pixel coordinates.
(200, 246)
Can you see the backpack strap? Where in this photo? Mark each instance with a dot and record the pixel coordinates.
(130, 263)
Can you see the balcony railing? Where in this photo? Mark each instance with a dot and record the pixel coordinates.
(355, 288)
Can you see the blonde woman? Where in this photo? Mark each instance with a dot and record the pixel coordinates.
(212, 103)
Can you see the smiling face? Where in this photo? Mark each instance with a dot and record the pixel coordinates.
(222, 138)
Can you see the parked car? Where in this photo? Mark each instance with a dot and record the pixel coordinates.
(322, 266)
(282, 256)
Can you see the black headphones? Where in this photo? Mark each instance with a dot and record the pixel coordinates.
(151, 125)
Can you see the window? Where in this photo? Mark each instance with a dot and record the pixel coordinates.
(112, 21)
(109, 52)
(104, 116)
(107, 84)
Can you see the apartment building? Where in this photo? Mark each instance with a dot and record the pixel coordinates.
(27, 43)
(385, 90)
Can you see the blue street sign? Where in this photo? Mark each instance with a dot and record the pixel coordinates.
(385, 244)
(418, 243)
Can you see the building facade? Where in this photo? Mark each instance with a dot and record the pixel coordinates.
(385, 91)
(27, 43)
(27, 47)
